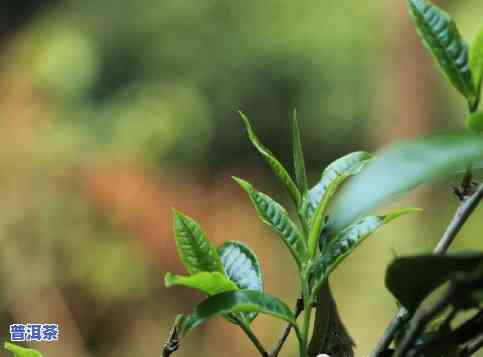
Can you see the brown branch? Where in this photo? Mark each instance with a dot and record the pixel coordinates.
(299, 307)
(465, 209)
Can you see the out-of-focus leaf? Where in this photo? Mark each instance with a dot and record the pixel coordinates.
(474, 122)
(274, 215)
(412, 279)
(277, 168)
(401, 168)
(242, 267)
(442, 38)
(194, 249)
(349, 239)
(210, 283)
(321, 194)
(298, 156)
(235, 302)
(21, 351)
(476, 60)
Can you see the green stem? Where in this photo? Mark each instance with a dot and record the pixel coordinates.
(307, 311)
(256, 342)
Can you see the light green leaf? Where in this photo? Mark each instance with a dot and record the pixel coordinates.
(21, 351)
(235, 302)
(349, 239)
(401, 168)
(431, 272)
(476, 60)
(242, 267)
(210, 283)
(332, 177)
(275, 216)
(277, 168)
(474, 122)
(194, 249)
(442, 38)
(298, 156)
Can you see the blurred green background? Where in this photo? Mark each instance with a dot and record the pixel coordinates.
(112, 112)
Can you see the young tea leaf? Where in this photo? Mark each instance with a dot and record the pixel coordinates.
(235, 302)
(242, 267)
(298, 156)
(21, 351)
(401, 168)
(275, 216)
(338, 171)
(210, 283)
(431, 271)
(350, 238)
(474, 122)
(320, 195)
(277, 168)
(194, 249)
(442, 38)
(476, 60)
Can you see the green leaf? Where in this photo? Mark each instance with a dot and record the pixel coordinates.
(298, 156)
(242, 267)
(234, 302)
(21, 351)
(332, 177)
(442, 38)
(474, 122)
(337, 171)
(401, 168)
(210, 283)
(476, 60)
(277, 168)
(350, 238)
(430, 271)
(275, 216)
(194, 249)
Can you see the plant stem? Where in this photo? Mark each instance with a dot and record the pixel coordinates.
(463, 212)
(256, 342)
(307, 309)
(299, 307)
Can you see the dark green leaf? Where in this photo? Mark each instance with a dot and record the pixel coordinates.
(476, 60)
(210, 283)
(442, 38)
(349, 239)
(474, 122)
(412, 279)
(320, 194)
(277, 168)
(401, 168)
(194, 249)
(21, 351)
(298, 156)
(274, 215)
(235, 302)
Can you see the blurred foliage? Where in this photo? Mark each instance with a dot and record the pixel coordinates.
(114, 111)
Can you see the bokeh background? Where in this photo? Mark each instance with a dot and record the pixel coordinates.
(114, 111)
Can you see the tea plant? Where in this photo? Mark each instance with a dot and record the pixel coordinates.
(319, 240)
